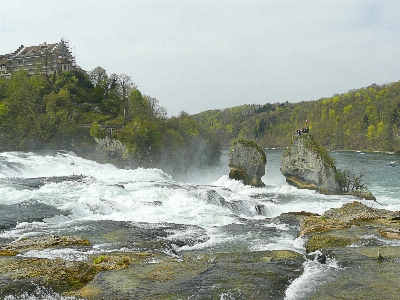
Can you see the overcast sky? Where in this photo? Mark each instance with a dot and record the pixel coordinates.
(199, 55)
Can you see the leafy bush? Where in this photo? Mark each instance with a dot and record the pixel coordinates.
(349, 181)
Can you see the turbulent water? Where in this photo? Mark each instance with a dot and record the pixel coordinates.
(58, 192)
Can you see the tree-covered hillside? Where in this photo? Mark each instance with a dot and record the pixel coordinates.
(367, 118)
(68, 109)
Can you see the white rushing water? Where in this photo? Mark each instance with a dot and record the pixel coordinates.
(144, 195)
(202, 197)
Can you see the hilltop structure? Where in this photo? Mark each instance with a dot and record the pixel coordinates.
(42, 59)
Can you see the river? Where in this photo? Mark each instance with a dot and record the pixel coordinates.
(57, 192)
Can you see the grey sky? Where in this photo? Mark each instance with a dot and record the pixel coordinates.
(199, 55)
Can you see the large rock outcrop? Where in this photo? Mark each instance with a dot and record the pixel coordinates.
(111, 151)
(307, 165)
(247, 161)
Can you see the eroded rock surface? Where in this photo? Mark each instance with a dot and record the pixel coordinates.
(147, 267)
(306, 165)
(360, 244)
(194, 275)
(247, 161)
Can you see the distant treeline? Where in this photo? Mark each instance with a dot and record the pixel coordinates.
(67, 109)
(367, 118)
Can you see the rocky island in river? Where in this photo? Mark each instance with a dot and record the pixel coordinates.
(307, 165)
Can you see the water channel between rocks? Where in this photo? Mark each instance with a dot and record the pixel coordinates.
(192, 235)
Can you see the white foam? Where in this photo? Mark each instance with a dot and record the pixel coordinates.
(65, 254)
(150, 195)
(41, 293)
(216, 238)
(314, 274)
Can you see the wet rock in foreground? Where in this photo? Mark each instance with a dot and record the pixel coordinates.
(44, 242)
(345, 216)
(361, 274)
(239, 275)
(363, 243)
(24, 275)
(141, 243)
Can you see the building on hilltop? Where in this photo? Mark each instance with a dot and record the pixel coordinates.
(42, 59)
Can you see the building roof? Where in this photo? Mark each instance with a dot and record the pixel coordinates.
(59, 53)
(3, 60)
(36, 50)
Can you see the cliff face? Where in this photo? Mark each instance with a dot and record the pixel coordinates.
(112, 151)
(306, 165)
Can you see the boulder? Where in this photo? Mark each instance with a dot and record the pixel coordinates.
(347, 215)
(247, 161)
(111, 148)
(307, 165)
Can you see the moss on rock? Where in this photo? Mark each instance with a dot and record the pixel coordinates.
(46, 242)
(247, 162)
(357, 211)
(6, 252)
(320, 241)
(319, 224)
(250, 144)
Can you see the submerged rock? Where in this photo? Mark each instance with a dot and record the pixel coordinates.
(144, 265)
(197, 275)
(356, 211)
(360, 245)
(44, 242)
(346, 216)
(307, 165)
(360, 274)
(352, 224)
(27, 211)
(247, 161)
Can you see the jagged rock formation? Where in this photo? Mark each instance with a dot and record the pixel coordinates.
(306, 165)
(247, 161)
(346, 216)
(111, 147)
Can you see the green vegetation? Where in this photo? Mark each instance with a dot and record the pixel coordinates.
(311, 144)
(100, 259)
(350, 182)
(320, 241)
(367, 118)
(123, 262)
(67, 109)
